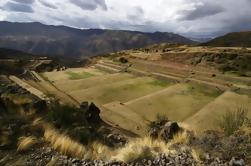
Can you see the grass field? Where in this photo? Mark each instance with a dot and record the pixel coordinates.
(208, 116)
(76, 76)
(72, 74)
(80, 84)
(122, 91)
(131, 101)
(176, 102)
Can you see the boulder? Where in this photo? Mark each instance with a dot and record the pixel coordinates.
(92, 114)
(169, 130)
(237, 162)
(115, 140)
(153, 132)
(84, 105)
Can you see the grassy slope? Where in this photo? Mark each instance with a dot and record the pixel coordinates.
(119, 91)
(176, 102)
(208, 116)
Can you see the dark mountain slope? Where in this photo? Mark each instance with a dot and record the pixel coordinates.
(235, 39)
(43, 39)
(14, 54)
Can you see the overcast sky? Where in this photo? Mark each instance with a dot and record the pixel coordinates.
(187, 17)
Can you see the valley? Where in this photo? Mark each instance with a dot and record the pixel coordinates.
(133, 88)
(147, 86)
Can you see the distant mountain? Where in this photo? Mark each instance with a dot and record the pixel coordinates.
(201, 39)
(43, 39)
(6, 53)
(234, 39)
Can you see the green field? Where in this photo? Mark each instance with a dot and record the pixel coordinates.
(82, 75)
(80, 84)
(122, 91)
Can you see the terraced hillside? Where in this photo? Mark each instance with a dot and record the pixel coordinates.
(150, 84)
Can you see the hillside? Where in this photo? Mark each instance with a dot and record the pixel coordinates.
(234, 39)
(49, 117)
(13, 54)
(43, 39)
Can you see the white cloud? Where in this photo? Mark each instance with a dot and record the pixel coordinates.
(189, 17)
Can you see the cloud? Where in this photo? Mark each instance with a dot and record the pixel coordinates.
(17, 7)
(201, 10)
(48, 4)
(24, 1)
(186, 17)
(90, 4)
(136, 13)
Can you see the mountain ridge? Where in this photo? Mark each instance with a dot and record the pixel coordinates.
(233, 39)
(38, 38)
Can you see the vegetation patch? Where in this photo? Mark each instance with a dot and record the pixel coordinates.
(160, 83)
(233, 120)
(76, 76)
(25, 143)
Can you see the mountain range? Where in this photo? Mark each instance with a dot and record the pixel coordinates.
(37, 38)
(234, 39)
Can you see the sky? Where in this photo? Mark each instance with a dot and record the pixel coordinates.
(194, 18)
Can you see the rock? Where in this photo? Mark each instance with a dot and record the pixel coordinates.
(153, 133)
(115, 140)
(169, 129)
(92, 114)
(237, 162)
(84, 105)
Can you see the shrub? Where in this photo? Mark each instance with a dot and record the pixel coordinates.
(181, 138)
(123, 60)
(161, 117)
(65, 115)
(233, 120)
(141, 148)
(25, 143)
(64, 143)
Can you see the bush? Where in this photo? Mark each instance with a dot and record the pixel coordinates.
(123, 60)
(161, 117)
(160, 121)
(233, 120)
(65, 115)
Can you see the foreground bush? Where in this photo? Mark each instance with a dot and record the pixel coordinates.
(65, 115)
(233, 120)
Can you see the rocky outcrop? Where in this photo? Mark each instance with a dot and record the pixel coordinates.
(164, 129)
(91, 112)
(168, 130)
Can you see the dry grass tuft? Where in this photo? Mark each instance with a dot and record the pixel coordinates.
(65, 144)
(25, 143)
(233, 120)
(180, 138)
(141, 148)
(197, 154)
(100, 151)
